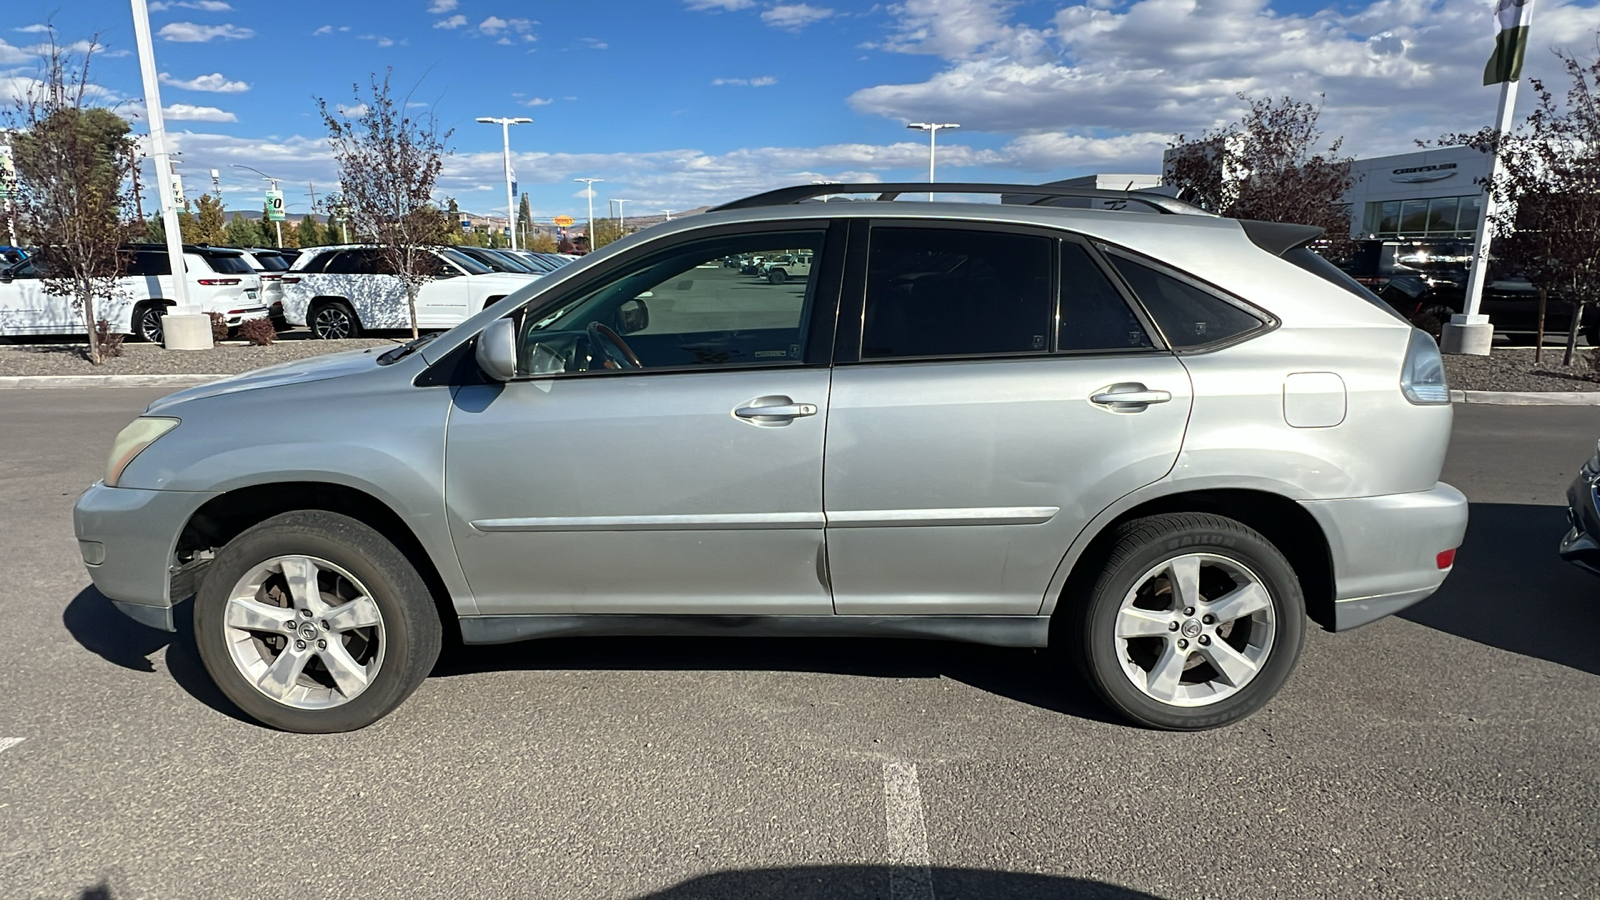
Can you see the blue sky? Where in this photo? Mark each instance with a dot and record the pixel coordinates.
(679, 103)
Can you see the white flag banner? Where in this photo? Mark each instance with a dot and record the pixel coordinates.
(1512, 18)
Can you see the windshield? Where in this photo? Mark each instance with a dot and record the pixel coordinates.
(515, 263)
(271, 262)
(467, 263)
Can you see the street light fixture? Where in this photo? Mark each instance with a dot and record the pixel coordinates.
(274, 182)
(589, 184)
(932, 128)
(622, 216)
(505, 134)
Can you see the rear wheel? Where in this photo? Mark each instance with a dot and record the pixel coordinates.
(777, 276)
(334, 320)
(313, 622)
(1195, 621)
(147, 322)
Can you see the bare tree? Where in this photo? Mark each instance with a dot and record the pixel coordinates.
(389, 162)
(72, 161)
(1266, 166)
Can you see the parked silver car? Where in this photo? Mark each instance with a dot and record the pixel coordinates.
(1158, 443)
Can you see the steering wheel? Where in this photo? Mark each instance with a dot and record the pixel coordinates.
(612, 347)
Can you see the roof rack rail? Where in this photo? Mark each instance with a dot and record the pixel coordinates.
(1045, 193)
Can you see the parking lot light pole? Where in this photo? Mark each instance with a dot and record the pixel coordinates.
(511, 200)
(273, 183)
(588, 188)
(622, 218)
(160, 154)
(932, 128)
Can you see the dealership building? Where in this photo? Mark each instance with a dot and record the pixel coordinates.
(1429, 194)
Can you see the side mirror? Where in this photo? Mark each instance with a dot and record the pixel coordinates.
(633, 316)
(497, 350)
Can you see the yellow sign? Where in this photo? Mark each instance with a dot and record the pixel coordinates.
(563, 221)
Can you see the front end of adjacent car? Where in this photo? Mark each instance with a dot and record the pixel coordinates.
(1581, 544)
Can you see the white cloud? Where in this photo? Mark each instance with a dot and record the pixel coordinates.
(719, 5)
(594, 43)
(1392, 70)
(10, 55)
(538, 101)
(454, 22)
(190, 33)
(763, 81)
(183, 112)
(354, 112)
(795, 16)
(202, 5)
(492, 25)
(40, 28)
(326, 29)
(214, 83)
(440, 7)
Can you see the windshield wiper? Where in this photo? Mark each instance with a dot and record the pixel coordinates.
(406, 349)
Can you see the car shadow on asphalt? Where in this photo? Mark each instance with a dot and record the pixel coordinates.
(1510, 590)
(98, 627)
(1036, 677)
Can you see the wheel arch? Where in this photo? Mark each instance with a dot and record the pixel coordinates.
(1282, 521)
(222, 518)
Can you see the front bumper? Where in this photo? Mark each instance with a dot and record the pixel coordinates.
(1386, 549)
(1581, 545)
(127, 537)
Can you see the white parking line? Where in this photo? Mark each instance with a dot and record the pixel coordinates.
(8, 743)
(908, 835)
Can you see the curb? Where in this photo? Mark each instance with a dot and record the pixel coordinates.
(1528, 398)
(23, 382)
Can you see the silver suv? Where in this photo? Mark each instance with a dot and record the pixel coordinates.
(1159, 443)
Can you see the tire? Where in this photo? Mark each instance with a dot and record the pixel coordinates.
(147, 322)
(333, 320)
(777, 276)
(1160, 638)
(362, 671)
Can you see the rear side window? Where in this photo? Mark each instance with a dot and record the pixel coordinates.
(1093, 314)
(1187, 315)
(952, 292)
(1313, 262)
(148, 262)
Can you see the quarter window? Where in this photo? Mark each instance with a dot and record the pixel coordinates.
(1188, 316)
(955, 292)
(1093, 314)
(742, 300)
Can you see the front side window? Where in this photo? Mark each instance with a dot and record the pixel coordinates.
(956, 292)
(683, 309)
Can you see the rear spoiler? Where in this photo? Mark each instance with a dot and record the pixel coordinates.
(1279, 238)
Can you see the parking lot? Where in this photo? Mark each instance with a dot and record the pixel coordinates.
(1453, 751)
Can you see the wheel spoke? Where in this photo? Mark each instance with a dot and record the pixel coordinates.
(1163, 682)
(1241, 602)
(1136, 622)
(284, 673)
(358, 613)
(349, 675)
(1184, 573)
(1235, 668)
(301, 574)
(253, 615)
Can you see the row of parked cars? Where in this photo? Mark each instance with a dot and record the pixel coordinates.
(338, 291)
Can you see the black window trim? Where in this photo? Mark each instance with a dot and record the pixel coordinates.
(1269, 322)
(820, 330)
(852, 313)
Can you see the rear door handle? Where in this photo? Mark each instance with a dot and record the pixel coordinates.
(1128, 397)
(777, 410)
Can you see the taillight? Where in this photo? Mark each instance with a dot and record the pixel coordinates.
(1422, 376)
(216, 282)
(1446, 558)
(266, 277)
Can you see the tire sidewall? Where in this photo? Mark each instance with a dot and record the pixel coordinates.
(1100, 655)
(395, 588)
(343, 310)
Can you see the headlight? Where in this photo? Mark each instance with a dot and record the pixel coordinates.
(131, 441)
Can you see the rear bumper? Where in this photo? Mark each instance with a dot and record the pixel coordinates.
(1385, 549)
(127, 538)
(1581, 545)
(236, 316)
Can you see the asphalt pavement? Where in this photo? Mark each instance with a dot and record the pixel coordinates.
(1453, 751)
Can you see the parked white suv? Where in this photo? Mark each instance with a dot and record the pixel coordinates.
(341, 291)
(220, 281)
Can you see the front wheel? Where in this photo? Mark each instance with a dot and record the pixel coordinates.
(313, 622)
(1194, 622)
(777, 276)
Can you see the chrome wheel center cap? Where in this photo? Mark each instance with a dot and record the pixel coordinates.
(1191, 628)
(308, 631)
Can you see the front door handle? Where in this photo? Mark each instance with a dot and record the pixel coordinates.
(1128, 397)
(775, 410)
